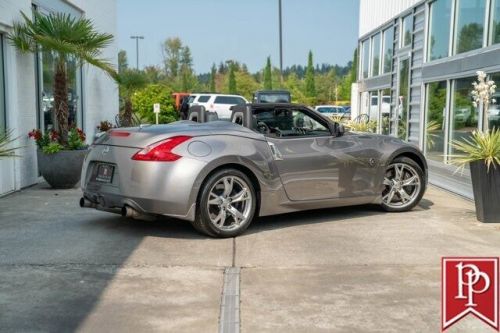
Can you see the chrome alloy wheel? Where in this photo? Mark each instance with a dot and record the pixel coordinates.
(229, 203)
(402, 185)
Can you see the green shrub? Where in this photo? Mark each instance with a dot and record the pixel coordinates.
(144, 99)
(52, 148)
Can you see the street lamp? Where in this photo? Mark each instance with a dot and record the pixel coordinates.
(137, 49)
(281, 44)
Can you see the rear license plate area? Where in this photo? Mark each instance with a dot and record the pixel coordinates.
(105, 173)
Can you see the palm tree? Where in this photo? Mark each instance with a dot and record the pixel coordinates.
(129, 80)
(66, 38)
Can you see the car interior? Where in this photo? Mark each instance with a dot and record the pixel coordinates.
(275, 122)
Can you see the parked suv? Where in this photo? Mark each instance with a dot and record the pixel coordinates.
(219, 103)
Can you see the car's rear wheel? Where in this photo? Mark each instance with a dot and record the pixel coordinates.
(226, 205)
(404, 185)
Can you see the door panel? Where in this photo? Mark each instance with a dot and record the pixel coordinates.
(316, 168)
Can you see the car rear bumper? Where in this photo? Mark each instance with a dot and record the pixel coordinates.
(159, 188)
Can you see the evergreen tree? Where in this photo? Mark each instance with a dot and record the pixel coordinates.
(232, 80)
(268, 79)
(186, 69)
(354, 68)
(212, 78)
(122, 61)
(310, 85)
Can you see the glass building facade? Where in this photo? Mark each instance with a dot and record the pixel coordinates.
(421, 89)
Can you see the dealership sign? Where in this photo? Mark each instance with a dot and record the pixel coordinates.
(469, 285)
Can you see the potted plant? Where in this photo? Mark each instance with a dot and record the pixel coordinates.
(52, 155)
(66, 38)
(482, 153)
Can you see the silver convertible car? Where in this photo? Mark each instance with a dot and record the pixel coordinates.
(266, 159)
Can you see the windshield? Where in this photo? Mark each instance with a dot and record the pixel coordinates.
(329, 109)
(274, 98)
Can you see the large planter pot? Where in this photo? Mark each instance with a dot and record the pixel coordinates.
(63, 169)
(486, 187)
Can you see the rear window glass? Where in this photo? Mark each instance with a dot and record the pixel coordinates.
(229, 100)
(274, 98)
(203, 99)
(191, 99)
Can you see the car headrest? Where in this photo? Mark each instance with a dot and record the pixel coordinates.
(197, 113)
(242, 115)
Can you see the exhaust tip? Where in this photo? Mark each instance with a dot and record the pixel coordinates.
(85, 203)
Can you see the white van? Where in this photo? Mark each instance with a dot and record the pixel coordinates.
(219, 103)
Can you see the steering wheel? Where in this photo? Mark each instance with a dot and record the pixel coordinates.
(263, 128)
(302, 130)
(277, 131)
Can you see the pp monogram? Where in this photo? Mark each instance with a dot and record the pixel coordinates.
(469, 285)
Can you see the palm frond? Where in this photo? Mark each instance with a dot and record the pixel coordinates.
(64, 34)
(480, 146)
(6, 140)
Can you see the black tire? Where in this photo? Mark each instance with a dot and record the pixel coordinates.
(421, 190)
(203, 223)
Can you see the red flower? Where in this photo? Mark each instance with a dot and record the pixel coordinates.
(53, 135)
(35, 134)
(81, 134)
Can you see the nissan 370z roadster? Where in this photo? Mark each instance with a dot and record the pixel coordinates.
(266, 159)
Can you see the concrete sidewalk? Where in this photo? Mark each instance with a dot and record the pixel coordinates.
(63, 268)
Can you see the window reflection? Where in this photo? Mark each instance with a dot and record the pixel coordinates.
(464, 118)
(494, 108)
(407, 30)
(388, 46)
(495, 21)
(3, 117)
(376, 55)
(435, 122)
(385, 110)
(439, 27)
(469, 25)
(403, 99)
(48, 115)
(365, 49)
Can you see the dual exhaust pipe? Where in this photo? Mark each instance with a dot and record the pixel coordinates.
(126, 211)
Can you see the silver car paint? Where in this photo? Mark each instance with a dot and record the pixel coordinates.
(310, 173)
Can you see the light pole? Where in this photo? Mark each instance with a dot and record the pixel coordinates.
(281, 45)
(137, 49)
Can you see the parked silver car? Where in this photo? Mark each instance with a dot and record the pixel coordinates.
(269, 159)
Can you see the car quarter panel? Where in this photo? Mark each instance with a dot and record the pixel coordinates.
(249, 153)
(152, 187)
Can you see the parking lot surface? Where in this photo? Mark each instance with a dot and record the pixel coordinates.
(354, 269)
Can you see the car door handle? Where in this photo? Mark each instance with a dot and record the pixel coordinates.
(275, 151)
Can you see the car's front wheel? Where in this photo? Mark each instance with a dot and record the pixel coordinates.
(226, 205)
(404, 185)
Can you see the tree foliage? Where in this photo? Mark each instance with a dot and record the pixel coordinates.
(311, 84)
(309, 80)
(144, 99)
(268, 79)
(232, 88)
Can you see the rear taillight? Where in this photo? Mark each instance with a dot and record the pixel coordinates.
(161, 151)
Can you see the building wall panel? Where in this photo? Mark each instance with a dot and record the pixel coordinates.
(374, 13)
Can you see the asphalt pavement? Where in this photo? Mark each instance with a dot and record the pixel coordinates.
(354, 269)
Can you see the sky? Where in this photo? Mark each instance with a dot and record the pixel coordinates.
(242, 30)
